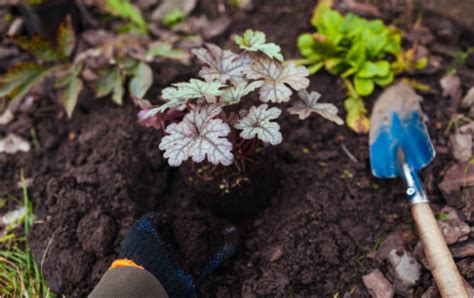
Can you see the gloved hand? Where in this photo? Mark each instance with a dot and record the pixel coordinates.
(145, 247)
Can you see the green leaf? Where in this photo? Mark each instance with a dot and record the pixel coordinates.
(349, 72)
(173, 17)
(66, 38)
(126, 10)
(328, 21)
(110, 81)
(312, 69)
(356, 55)
(73, 71)
(141, 81)
(394, 42)
(193, 89)
(127, 65)
(421, 63)
(166, 50)
(255, 41)
(384, 81)
(370, 69)
(20, 78)
(39, 47)
(305, 44)
(69, 95)
(118, 90)
(356, 117)
(363, 87)
(106, 81)
(336, 65)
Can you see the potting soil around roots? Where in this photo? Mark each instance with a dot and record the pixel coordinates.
(94, 175)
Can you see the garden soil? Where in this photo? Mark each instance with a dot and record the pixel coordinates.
(94, 175)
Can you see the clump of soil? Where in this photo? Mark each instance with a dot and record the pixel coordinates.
(94, 175)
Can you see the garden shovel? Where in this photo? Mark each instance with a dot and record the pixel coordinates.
(399, 147)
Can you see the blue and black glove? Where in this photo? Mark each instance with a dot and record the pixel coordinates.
(148, 249)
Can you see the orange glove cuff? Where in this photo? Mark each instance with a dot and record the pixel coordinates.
(125, 263)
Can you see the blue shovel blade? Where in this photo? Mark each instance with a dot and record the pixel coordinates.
(407, 131)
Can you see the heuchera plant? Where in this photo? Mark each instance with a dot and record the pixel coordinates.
(207, 119)
(364, 53)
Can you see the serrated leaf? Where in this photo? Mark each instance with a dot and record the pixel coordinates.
(356, 118)
(126, 10)
(20, 78)
(363, 87)
(193, 89)
(141, 80)
(222, 65)
(166, 50)
(199, 136)
(69, 95)
(257, 123)
(255, 41)
(234, 94)
(277, 78)
(39, 47)
(308, 104)
(66, 38)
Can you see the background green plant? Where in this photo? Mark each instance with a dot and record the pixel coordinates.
(20, 276)
(128, 57)
(365, 53)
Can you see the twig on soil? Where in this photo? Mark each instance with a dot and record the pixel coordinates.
(348, 153)
(43, 258)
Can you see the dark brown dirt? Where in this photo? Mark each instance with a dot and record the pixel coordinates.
(97, 173)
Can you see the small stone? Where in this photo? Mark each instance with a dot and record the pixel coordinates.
(468, 100)
(395, 241)
(461, 145)
(451, 85)
(277, 253)
(377, 285)
(406, 270)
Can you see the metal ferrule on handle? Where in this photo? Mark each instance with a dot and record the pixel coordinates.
(415, 191)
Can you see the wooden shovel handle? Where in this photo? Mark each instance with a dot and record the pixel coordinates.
(449, 281)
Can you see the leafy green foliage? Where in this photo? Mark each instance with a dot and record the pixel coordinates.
(359, 51)
(21, 77)
(126, 10)
(173, 17)
(141, 80)
(201, 126)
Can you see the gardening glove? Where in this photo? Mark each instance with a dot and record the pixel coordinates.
(144, 267)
